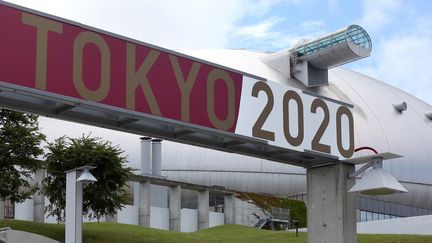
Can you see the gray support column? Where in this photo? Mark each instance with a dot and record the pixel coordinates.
(203, 209)
(229, 212)
(2, 209)
(156, 156)
(39, 198)
(144, 203)
(331, 215)
(174, 197)
(145, 155)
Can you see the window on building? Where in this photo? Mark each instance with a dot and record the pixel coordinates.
(368, 216)
(374, 216)
(363, 216)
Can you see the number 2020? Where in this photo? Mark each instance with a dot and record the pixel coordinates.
(258, 131)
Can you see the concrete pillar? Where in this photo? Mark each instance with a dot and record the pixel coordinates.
(145, 155)
(229, 212)
(2, 209)
(174, 197)
(331, 215)
(39, 198)
(203, 209)
(156, 156)
(144, 203)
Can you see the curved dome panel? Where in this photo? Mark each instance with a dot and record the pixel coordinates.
(377, 124)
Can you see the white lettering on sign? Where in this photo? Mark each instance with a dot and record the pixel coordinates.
(288, 118)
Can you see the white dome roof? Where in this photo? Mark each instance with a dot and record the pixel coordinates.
(377, 123)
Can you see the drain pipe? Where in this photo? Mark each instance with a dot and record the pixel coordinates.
(156, 156)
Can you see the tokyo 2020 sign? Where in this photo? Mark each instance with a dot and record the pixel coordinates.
(49, 54)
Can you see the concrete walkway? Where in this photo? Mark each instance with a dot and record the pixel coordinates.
(15, 236)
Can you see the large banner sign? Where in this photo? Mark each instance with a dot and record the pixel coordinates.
(289, 118)
(64, 58)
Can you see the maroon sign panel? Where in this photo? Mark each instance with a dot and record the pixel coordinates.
(51, 55)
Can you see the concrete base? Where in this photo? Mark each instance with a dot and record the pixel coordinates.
(229, 213)
(39, 198)
(331, 215)
(203, 209)
(144, 203)
(174, 196)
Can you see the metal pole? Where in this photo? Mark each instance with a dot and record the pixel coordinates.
(74, 202)
(78, 214)
(72, 190)
(203, 209)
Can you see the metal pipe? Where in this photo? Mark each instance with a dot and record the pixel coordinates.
(375, 163)
(145, 155)
(156, 156)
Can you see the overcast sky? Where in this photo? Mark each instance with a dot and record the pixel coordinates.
(401, 31)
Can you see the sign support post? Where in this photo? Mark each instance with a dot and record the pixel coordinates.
(73, 226)
(331, 210)
(75, 179)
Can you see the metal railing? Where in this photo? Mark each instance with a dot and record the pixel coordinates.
(352, 33)
(280, 213)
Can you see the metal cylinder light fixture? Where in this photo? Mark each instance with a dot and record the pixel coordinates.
(145, 155)
(156, 156)
(376, 181)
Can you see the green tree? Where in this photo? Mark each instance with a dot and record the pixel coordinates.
(20, 141)
(103, 197)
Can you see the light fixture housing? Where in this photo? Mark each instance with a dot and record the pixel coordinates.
(86, 177)
(376, 181)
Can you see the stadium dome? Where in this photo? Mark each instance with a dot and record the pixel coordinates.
(377, 124)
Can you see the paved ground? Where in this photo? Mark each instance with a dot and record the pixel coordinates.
(25, 237)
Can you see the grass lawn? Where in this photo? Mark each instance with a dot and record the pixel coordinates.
(110, 232)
